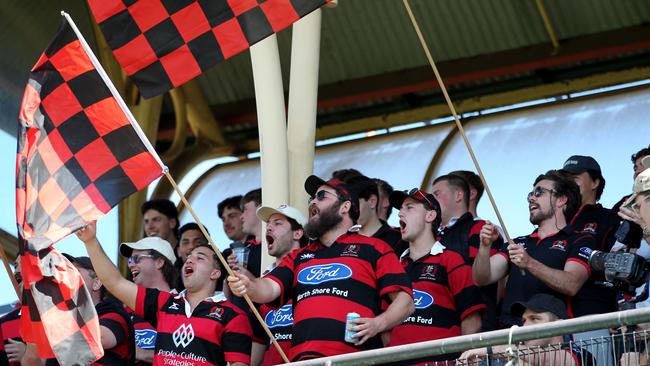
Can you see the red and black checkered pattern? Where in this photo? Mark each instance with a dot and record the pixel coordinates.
(162, 44)
(78, 156)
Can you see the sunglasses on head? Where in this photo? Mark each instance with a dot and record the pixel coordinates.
(419, 195)
(539, 192)
(135, 259)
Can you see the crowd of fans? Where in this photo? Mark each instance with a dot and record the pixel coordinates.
(443, 272)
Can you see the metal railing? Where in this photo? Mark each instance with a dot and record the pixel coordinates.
(513, 335)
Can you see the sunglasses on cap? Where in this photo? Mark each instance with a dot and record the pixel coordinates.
(539, 192)
(419, 195)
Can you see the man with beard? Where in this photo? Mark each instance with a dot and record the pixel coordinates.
(447, 302)
(194, 326)
(340, 272)
(553, 259)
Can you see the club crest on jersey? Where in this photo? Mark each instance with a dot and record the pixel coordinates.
(145, 338)
(421, 299)
(307, 256)
(590, 228)
(173, 306)
(352, 250)
(429, 272)
(216, 313)
(559, 245)
(282, 317)
(183, 336)
(314, 275)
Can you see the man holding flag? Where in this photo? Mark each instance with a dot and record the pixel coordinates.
(194, 325)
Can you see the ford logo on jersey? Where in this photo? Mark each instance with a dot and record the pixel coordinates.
(282, 317)
(421, 299)
(145, 338)
(313, 275)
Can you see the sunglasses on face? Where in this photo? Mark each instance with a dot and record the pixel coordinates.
(135, 259)
(539, 192)
(419, 195)
(320, 196)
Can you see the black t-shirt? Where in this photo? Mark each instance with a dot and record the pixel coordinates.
(602, 223)
(392, 237)
(553, 251)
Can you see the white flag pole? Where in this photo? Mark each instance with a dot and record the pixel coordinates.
(113, 90)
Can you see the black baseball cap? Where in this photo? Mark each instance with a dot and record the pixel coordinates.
(397, 198)
(83, 262)
(540, 303)
(345, 191)
(580, 163)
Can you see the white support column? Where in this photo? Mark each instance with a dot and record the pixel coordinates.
(271, 120)
(303, 97)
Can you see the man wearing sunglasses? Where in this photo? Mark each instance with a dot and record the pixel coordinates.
(553, 259)
(195, 326)
(447, 302)
(340, 272)
(151, 263)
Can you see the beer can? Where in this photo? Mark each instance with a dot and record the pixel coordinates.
(349, 333)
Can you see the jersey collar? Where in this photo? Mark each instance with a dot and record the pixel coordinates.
(436, 249)
(216, 297)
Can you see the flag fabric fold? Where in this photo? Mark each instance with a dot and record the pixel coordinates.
(78, 155)
(162, 44)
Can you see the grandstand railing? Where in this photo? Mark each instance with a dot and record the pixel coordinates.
(514, 336)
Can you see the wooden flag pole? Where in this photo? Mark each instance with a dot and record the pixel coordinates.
(165, 170)
(8, 269)
(455, 115)
(225, 264)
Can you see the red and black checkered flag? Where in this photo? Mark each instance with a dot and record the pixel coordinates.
(162, 44)
(78, 156)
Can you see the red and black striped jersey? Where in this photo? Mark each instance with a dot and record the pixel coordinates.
(444, 294)
(280, 323)
(215, 333)
(114, 317)
(354, 274)
(9, 329)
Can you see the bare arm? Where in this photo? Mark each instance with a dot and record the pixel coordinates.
(567, 281)
(108, 338)
(471, 324)
(117, 285)
(260, 290)
(400, 307)
(257, 353)
(487, 270)
(145, 355)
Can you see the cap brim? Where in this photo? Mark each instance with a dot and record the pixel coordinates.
(265, 212)
(312, 183)
(396, 199)
(518, 308)
(630, 201)
(81, 263)
(126, 249)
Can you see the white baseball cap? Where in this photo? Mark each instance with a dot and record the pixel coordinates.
(160, 245)
(265, 212)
